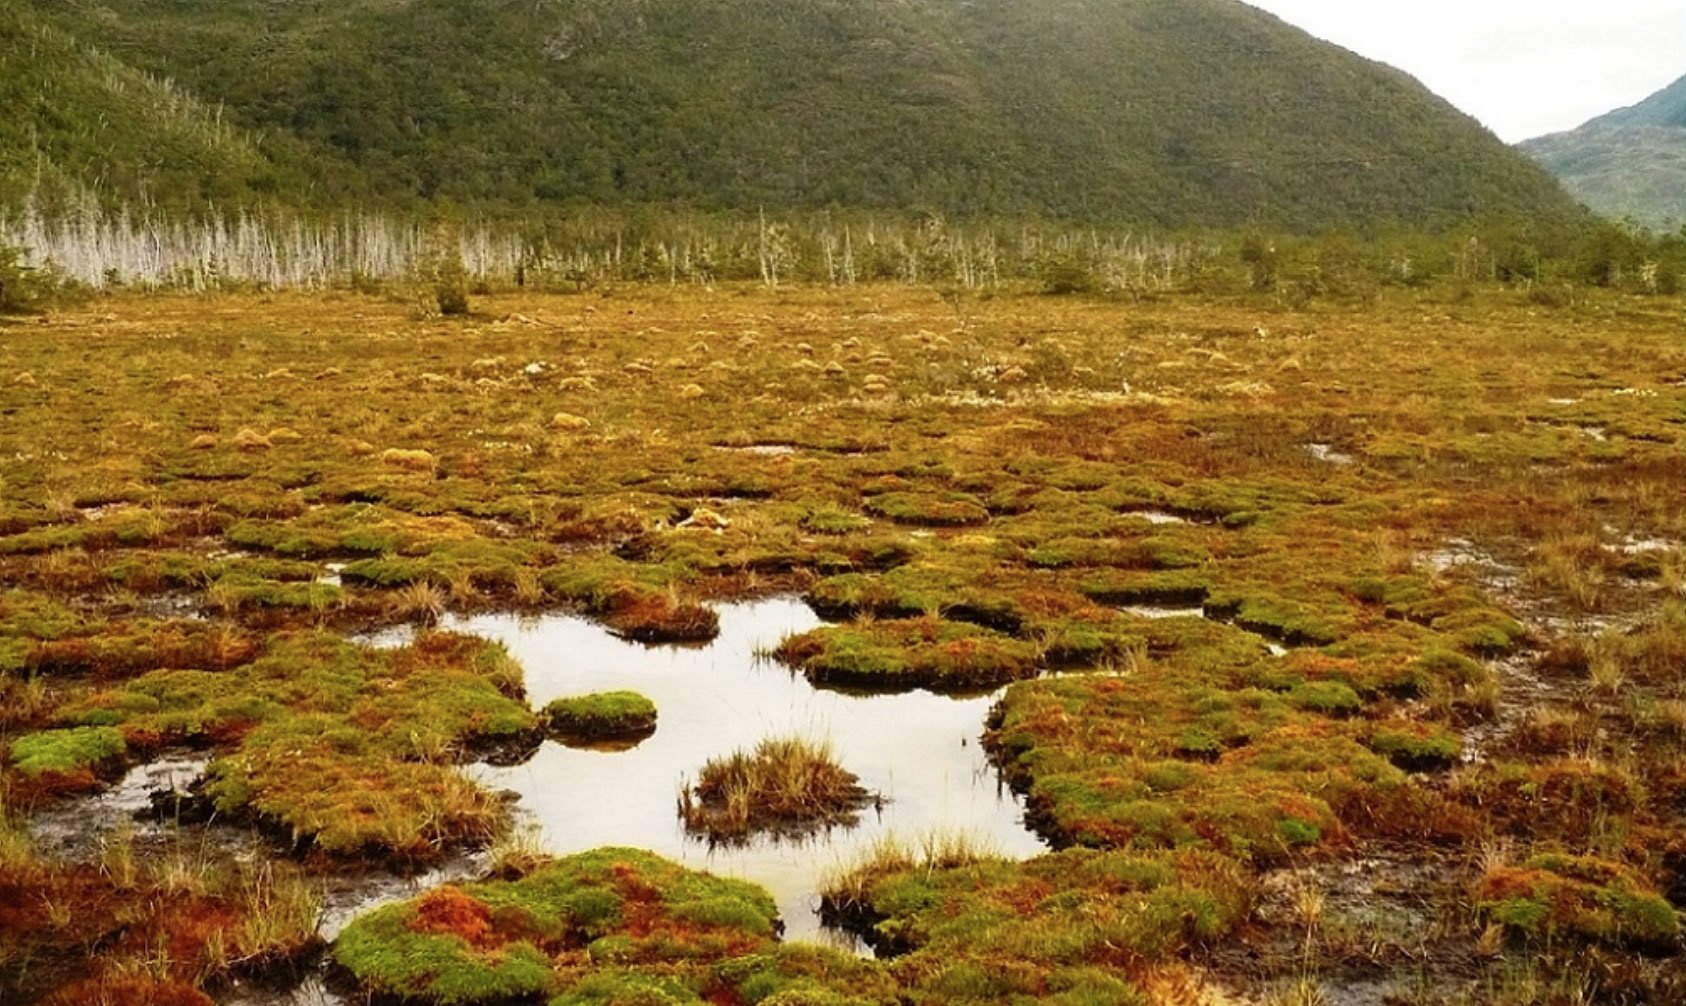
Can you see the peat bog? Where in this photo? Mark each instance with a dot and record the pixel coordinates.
(1164, 651)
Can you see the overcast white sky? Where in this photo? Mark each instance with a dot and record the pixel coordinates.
(1523, 67)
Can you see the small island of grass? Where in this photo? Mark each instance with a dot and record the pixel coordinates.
(601, 716)
(787, 786)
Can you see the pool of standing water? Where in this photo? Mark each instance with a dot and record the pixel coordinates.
(918, 750)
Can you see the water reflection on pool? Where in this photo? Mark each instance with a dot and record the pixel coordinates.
(919, 750)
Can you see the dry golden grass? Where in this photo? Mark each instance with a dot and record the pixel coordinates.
(786, 785)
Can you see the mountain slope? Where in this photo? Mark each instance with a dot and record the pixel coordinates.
(77, 118)
(1166, 112)
(1665, 108)
(1628, 163)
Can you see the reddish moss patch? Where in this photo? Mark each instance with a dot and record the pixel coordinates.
(1564, 798)
(506, 939)
(658, 618)
(449, 911)
(129, 990)
(1581, 897)
(128, 650)
(91, 930)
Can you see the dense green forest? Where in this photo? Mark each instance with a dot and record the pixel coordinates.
(79, 118)
(1139, 112)
(1629, 163)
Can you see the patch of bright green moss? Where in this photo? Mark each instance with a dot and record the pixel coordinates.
(66, 752)
(914, 653)
(601, 715)
(1416, 747)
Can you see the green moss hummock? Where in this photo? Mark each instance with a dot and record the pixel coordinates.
(501, 940)
(601, 716)
(1580, 896)
(913, 653)
(66, 753)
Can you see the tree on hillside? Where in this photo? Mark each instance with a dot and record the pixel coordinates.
(20, 284)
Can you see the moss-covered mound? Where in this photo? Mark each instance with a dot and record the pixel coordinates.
(1077, 924)
(929, 509)
(916, 653)
(601, 716)
(630, 600)
(344, 747)
(499, 940)
(1554, 895)
(1161, 763)
(66, 760)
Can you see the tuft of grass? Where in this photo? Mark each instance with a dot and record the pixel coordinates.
(420, 599)
(1606, 672)
(787, 785)
(1299, 991)
(17, 847)
(516, 851)
(280, 911)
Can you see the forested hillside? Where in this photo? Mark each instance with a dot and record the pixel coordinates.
(1185, 113)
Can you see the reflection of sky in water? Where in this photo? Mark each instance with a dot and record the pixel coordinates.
(919, 750)
(76, 829)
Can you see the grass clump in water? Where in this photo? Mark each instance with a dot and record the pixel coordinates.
(787, 785)
(601, 716)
